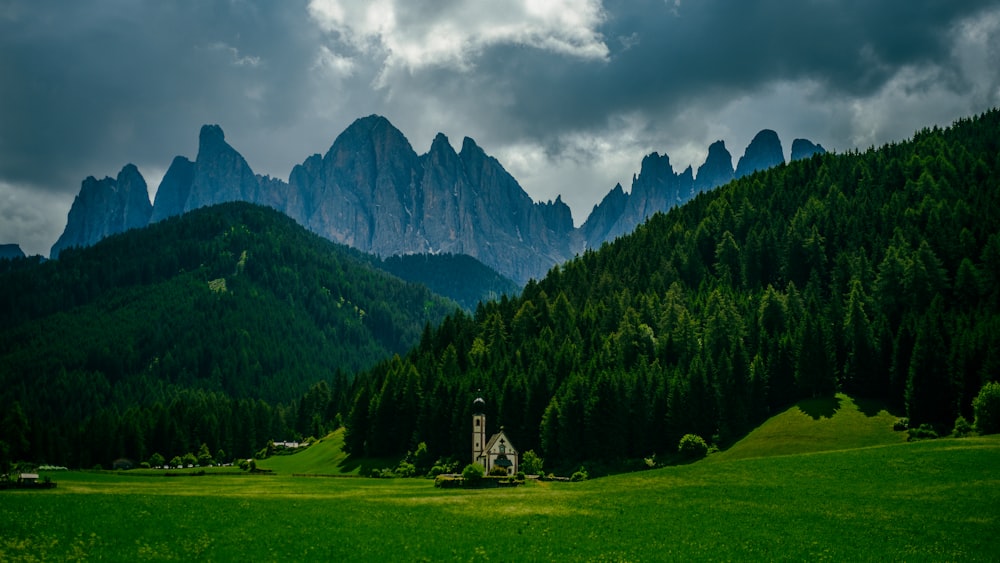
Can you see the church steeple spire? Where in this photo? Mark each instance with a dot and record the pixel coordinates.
(478, 429)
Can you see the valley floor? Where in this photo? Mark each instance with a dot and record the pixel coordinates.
(933, 500)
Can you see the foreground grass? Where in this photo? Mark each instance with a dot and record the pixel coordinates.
(934, 500)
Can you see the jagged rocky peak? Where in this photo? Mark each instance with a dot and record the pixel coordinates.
(655, 165)
(717, 169)
(804, 148)
(106, 207)
(174, 189)
(10, 251)
(763, 152)
(211, 135)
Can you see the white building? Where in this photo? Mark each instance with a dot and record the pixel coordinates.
(495, 452)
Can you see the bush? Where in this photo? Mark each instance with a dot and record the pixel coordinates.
(986, 407)
(580, 475)
(901, 424)
(405, 469)
(473, 472)
(924, 432)
(520, 476)
(498, 471)
(531, 463)
(692, 446)
(962, 427)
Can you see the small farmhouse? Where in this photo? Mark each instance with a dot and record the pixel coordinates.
(495, 452)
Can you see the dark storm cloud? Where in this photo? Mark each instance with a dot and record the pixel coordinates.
(706, 51)
(89, 86)
(569, 94)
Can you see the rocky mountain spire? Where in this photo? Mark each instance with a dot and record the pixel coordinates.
(717, 169)
(106, 207)
(804, 148)
(763, 152)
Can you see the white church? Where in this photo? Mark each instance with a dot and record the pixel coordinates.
(497, 451)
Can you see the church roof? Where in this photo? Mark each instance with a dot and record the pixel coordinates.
(496, 438)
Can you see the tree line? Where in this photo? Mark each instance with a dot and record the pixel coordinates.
(214, 327)
(874, 273)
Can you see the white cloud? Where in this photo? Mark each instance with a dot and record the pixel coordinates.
(412, 35)
(583, 166)
(236, 58)
(32, 218)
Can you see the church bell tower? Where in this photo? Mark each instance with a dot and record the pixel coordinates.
(478, 429)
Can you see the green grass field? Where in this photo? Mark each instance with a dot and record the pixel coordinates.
(887, 500)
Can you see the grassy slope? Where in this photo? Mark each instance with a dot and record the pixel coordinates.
(815, 425)
(325, 457)
(824, 480)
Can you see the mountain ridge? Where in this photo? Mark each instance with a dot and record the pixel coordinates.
(372, 191)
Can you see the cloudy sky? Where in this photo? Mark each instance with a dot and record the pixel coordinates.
(567, 94)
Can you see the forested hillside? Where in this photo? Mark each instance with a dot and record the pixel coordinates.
(456, 276)
(875, 273)
(206, 328)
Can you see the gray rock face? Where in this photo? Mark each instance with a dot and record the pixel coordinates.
(373, 192)
(717, 170)
(219, 174)
(603, 217)
(106, 207)
(175, 187)
(763, 152)
(10, 251)
(804, 148)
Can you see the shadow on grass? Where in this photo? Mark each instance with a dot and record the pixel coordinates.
(872, 407)
(363, 466)
(822, 407)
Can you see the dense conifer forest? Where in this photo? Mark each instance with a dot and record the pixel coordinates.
(228, 326)
(456, 276)
(874, 273)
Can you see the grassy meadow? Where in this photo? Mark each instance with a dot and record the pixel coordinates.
(880, 498)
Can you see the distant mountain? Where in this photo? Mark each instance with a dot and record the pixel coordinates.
(763, 152)
(456, 276)
(106, 207)
(373, 192)
(10, 251)
(804, 148)
(234, 300)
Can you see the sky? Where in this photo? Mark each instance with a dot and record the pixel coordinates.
(568, 95)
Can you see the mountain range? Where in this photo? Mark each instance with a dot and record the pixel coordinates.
(373, 192)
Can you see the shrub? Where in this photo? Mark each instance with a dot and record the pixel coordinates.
(986, 407)
(176, 461)
(531, 463)
(405, 469)
(901, 424)
(473, 472)
(580, 475)
(923, 432)
(962, 427)
(520, 476)
(692, 446)
(156, 460)
(498, 471)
